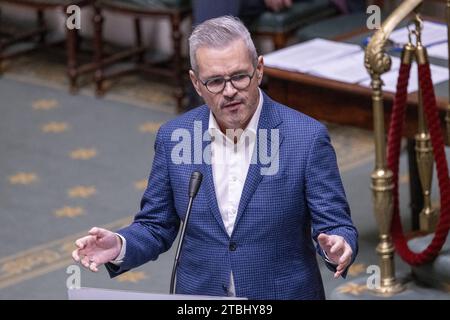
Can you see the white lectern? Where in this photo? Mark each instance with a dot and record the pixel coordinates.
(108, 294)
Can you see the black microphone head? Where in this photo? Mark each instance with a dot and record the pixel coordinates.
(194, 183)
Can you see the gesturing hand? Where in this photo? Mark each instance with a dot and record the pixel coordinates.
(337, 250)
(99, 247)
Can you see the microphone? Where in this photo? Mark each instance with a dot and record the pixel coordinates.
(194, 185)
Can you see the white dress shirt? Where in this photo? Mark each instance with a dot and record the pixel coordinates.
(230, 162)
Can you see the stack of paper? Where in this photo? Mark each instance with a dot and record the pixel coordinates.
(439, 51)
(304, 56)
(343, 62)
(432, 33)
(349, 69)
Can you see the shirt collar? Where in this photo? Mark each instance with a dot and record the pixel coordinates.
(252, 125)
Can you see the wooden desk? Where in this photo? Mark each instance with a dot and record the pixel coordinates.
(337, 102)
(349, 104)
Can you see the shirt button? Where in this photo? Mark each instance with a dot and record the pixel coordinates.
(233, 179)
(233, 211)
(232, 246)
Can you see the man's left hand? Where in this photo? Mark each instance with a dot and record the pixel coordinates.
(337, 250)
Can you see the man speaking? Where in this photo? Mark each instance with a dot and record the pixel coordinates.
(270, 187)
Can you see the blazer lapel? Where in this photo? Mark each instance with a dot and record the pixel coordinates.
(269, 119)
(206, 169)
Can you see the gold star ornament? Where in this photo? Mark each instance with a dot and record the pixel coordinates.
(45, 104)
(353, 288)
(24, 178)
(55, 127)
(69, 212)
(83, 154)
(132, 276)
(141, 184)
(81, 192)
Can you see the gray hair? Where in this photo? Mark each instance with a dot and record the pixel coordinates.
(219, 33)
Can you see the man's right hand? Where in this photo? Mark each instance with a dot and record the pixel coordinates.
(99, 247)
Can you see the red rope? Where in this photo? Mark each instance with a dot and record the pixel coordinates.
(437, 141)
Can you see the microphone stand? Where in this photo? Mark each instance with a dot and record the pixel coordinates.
(194, 185)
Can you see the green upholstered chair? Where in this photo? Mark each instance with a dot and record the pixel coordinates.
(334, 27)
(40, 31)
(279, 26)
(339, 26)
(173, 10)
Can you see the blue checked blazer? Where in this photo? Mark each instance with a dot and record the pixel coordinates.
(271, 251)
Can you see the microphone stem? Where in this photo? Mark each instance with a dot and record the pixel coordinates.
(180, 244)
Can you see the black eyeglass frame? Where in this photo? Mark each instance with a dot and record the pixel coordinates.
(230, 79)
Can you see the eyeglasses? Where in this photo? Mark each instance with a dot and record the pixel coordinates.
(239, 81)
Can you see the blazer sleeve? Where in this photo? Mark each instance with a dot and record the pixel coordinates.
(156, 226)
(327, 203)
